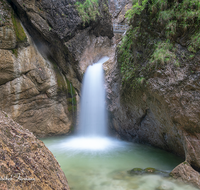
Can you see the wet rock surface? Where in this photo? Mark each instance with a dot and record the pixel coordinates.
(25, 162)
(34, 92)
(59, 29)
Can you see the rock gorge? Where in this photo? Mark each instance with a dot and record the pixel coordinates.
(40, 83)
(152, 98)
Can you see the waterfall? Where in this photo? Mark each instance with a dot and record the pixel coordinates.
(92, 132)
(93, 117)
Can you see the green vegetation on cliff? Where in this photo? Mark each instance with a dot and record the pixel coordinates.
(163, 54)
(72, 99)
(156, 26)
(88, 10)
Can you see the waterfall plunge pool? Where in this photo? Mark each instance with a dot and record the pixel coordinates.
(103, 164)
(92, 161)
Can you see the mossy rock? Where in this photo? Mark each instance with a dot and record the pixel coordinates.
(88, 10)
(71, 88)
(19, 31)
(186, 163)
(15, 52)
(62, 87)
(136, 171)
(149, 170)
(150, 43)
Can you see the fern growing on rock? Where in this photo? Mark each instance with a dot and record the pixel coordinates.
(88, 10)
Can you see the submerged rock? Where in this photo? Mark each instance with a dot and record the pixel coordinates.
(25, 162)
(140, 171)
(136, 171)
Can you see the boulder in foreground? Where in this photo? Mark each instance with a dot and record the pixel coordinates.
(25, 162)
(184, 172)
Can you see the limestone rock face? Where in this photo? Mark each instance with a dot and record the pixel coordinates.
(25, 161)
(34, 92)
(7, 32)
(57, 26)
(6, 66)
(157, 105)
(184, 172)
(164, 112)
(7, 37)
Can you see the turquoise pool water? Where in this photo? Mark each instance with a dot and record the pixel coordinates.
(102, 164)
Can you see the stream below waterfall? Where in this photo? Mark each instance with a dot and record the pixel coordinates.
(105, 163)
(92, 160)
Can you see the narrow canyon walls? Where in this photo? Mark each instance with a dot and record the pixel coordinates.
(41, 75)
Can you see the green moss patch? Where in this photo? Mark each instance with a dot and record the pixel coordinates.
(150, 170)
(195, 42)
(64, 85)
(19, 31)
(71, 100)
(136, 171)
(15, 52)
(133, 75)
(186, 163)
(60, 79)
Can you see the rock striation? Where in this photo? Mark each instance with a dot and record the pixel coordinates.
(25, 161)
(34, 91)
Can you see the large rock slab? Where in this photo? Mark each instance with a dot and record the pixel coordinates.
(25, 162)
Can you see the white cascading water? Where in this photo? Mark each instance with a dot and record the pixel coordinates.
(93, 117)
(92, 128)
